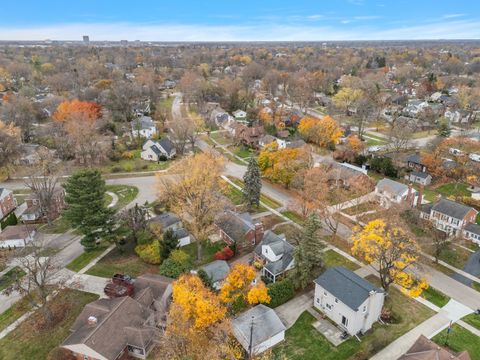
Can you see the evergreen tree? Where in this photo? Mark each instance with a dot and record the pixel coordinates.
(168, 243)
(253, 184)
(308, 254)
(443, 129)
(86, 209)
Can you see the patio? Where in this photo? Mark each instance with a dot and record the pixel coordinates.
(326, 328)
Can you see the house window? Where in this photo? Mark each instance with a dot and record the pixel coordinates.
(266, 251)
(85, 357)
(324, 293)
(318, 300)
(336, 300)
(329, 307)
(364, 308)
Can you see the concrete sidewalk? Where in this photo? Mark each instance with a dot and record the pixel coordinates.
(291, 310)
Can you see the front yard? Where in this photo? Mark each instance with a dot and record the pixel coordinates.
(10, 276)
(302, 341)
(435, 297)
(28, 342)
(85, 258)
(126, 194)
(135, 164)
(459, 340)
(332, 258)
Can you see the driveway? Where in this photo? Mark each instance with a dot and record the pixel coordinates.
(472, 267)
(291, 310)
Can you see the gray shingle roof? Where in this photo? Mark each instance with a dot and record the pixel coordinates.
(217, 270)
(167, 145)
(422, 175)
(166, 219)
(266, 324)
(143, 123)
(451, 208)
(473, 228)
(392, 187)
(235, 225)
(346, 286)
(279, 246)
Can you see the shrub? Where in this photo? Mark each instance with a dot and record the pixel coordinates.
(225, 254)
(178, 262)
(162, 158)
(280, 292)
(127, 167)
(127, 155)
(116, 169)
(207, 280)
(383, 166)
(10, 220)
(149, 253)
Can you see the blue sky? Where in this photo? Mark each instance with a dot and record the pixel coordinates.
(229, 20)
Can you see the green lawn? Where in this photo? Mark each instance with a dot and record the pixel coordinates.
(126, 194)
(10, 276)
(295, 217)
(267, 200)
(452, 190)
(459, 340)
(242, 151)
(14, 312)
(332, 258)
(107, 199)
(209, 250)
(220, 138)
(27, 342)
(126, 262)
(435, 297)
(84, 259)
(473, 319)
(455, 256)
(58, 226)
(302, 341)
(476, 286)
(379, 138)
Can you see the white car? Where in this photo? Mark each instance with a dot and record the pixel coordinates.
(474, 157)
(374, 148)
(454, 151)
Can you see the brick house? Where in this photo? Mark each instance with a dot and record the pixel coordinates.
(7, 202)
(449, 216)
(34, 212)
(239, 230)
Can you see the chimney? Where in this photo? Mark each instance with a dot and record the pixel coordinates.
(420, 197)
(258, 232)
(92, 320)
(410, 198)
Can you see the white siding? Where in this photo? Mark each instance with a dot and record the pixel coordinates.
(267, 344)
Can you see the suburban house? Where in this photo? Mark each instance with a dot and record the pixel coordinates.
(144, 126)
(240, 115)
(111, 329)
(220, 117)
(158, 150)
(249, 136)
(459, 116)
(348, 300)
(266, 140)
(415, 163)
(34, 213)
(258, 329)
(7, 202)
(217, 271)
(426, 349)
(171, 221)
(16, 236)
(449, 216)
(344, 174)
(390, 192)
(421, 178)
(239, 229)
(276, 255)
(472, 232)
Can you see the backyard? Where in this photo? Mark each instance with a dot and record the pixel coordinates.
(28, 341)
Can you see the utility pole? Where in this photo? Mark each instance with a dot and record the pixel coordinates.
(250, 341)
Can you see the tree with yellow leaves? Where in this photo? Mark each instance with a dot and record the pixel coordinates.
(390, 251)
(10, 141)
(346, 97)
(325, 132)
(355, 144)
(192, 192)
(238, 286)
(282, 165)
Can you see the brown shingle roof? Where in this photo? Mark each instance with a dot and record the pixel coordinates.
(425, 349)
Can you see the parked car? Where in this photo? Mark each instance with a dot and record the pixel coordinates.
(374, 148)
(474, 157)
(454, 151)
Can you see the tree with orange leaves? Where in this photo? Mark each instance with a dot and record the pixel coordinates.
(325, 132)
(355, 144)
(238, 286)
(77, 110)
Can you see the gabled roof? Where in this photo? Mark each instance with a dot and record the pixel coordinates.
(166, 219)
(167, 145)
(392, 187)
(235, 225)
(217, 270)
(280, 247)
(422, 175)
(452, 208)
(415, 158)
(473, 228)
(346, 286)
(426, 349)
(266, 324)
(143, 123)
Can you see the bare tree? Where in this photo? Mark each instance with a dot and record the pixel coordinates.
(44, 188)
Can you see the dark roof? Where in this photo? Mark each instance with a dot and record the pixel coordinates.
(426, 208)
(346, 286)
(156, 150)
(181, 233)
(266, 324)
(451, 208)
(392, 187)
(415, 158)
(166, 219)
(167, 145)
(143, 123)
(426, 349)
(235, 225)
(473, 228)
(422, 175)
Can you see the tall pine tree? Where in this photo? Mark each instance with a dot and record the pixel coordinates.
(86, 209)
(168, 243)
(308, 254)
(253, 184)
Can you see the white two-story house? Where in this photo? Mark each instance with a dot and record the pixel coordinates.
(144, 127)
(449, 216)
(348, 300)
(276, 255)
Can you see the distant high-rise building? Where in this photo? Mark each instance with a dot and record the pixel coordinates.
(86, 39)
(123, 42)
